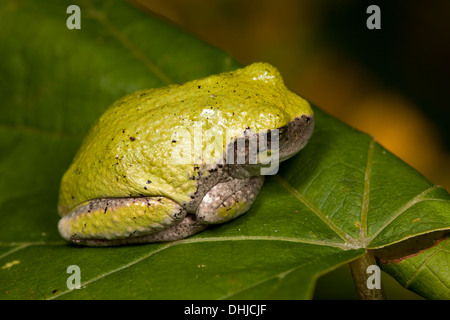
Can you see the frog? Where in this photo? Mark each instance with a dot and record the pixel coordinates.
(123, 186)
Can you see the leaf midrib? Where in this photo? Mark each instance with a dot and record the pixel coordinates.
(366, 193)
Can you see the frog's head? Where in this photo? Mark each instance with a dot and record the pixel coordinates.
(268, 106)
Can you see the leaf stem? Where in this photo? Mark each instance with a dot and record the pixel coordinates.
(360, 273)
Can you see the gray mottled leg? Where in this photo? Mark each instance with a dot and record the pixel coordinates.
(227, 200)
(187, 227)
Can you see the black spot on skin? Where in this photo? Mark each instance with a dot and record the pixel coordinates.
(123, 131)
(173, 140)
(55, 291)
(148, 182)
(199, 87)
(132, 138)
(145, 188)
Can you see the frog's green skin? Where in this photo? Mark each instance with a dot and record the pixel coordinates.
(122, 188)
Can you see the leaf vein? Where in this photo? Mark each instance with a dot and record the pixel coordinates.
(412, 202)
(423, 265)
(366, 192)
(347, 238)
(18, 248)
(128, 44)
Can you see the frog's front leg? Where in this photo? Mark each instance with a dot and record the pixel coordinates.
(227, 200)
(112, 221)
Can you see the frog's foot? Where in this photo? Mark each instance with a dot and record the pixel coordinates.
(227, 200)
(113, 221)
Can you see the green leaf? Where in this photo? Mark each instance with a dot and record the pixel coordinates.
(369, 197)
(342, 195)
(420, 264)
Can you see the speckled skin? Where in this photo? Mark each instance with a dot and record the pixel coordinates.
(124, 162)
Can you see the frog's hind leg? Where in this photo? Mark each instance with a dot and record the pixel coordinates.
(187, 227)
(115, 221)
(228, 200)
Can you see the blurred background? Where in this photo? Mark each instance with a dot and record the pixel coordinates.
(391, 83)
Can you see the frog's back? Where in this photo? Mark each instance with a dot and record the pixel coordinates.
(128, 152)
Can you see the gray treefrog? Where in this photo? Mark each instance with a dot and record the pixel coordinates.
(123, 187)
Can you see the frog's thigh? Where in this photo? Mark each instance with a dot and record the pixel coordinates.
(185, 228)
(227, 200)
(101, 221)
